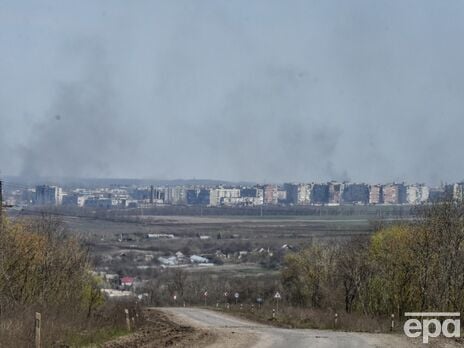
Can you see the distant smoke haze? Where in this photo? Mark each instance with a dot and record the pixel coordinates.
(242, 91)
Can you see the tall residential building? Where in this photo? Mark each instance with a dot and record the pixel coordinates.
(412, 194)
(175, 195)
(224, 196)
(424, 193)
(355, 193)
(271, 195)
(198, 196)
(335, 193)
(437, 194)
(394, 193)
(417, 194)
(320, 194)
(281, 196)
(299, 194)
(48, 195)
(251, 196)
(375, 194)
(458, 191)
(73, 199)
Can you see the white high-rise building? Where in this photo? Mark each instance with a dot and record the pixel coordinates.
(417, 194)
(458, 191)
(224, 196)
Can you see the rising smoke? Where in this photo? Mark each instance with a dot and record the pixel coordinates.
(82, 135)
(236, 91)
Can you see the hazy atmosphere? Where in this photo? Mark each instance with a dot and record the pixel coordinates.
(263, 91)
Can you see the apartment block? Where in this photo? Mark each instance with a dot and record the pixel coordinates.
(394, 193)
(319, 194)
(335, 193)
(271, 195)
(224, 196)
(354, 193)
(375, 194)
(48, 195)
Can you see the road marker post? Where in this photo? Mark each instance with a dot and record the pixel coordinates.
(128, 323)
(260, 302)
(392, 322)
(226, 301)
(38, 326)
(273, 313)
(277, 297)
(336, 320)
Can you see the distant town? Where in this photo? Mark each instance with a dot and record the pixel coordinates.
(301, 194)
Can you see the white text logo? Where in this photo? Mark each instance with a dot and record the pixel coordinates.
(431, 326)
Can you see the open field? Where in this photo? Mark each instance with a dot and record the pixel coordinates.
(237, 245)
(297, 229)
(121, 242)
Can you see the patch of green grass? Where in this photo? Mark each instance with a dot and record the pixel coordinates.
(95, 338)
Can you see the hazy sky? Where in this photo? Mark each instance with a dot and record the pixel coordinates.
(236, 90)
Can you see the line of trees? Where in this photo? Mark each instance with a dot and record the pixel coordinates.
(414, 266)
(43, 268)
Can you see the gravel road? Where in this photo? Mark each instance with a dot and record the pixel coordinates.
(235, 332)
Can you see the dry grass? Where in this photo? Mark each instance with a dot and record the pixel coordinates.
(62, 327)
(309, 318)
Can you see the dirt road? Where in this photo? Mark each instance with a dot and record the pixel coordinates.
(235, 332)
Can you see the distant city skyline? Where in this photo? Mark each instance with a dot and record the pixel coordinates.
(366, 91)
(123, 195)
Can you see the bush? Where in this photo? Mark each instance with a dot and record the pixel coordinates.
(44, 269)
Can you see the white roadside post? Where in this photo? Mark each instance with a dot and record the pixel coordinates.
(128, 323)
(226, 301)
(206, 296)
(277, 297)
(38, 326)
(236, 295)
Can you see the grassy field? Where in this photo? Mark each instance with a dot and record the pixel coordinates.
(120, 238)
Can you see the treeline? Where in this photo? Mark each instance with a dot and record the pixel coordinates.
(44, 269)
(415, 266)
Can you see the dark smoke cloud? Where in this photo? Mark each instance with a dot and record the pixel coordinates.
(234, 90)
(82, 133)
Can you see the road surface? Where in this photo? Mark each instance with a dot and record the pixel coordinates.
(235, 332)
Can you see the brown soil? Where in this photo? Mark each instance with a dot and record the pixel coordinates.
(159, 331)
